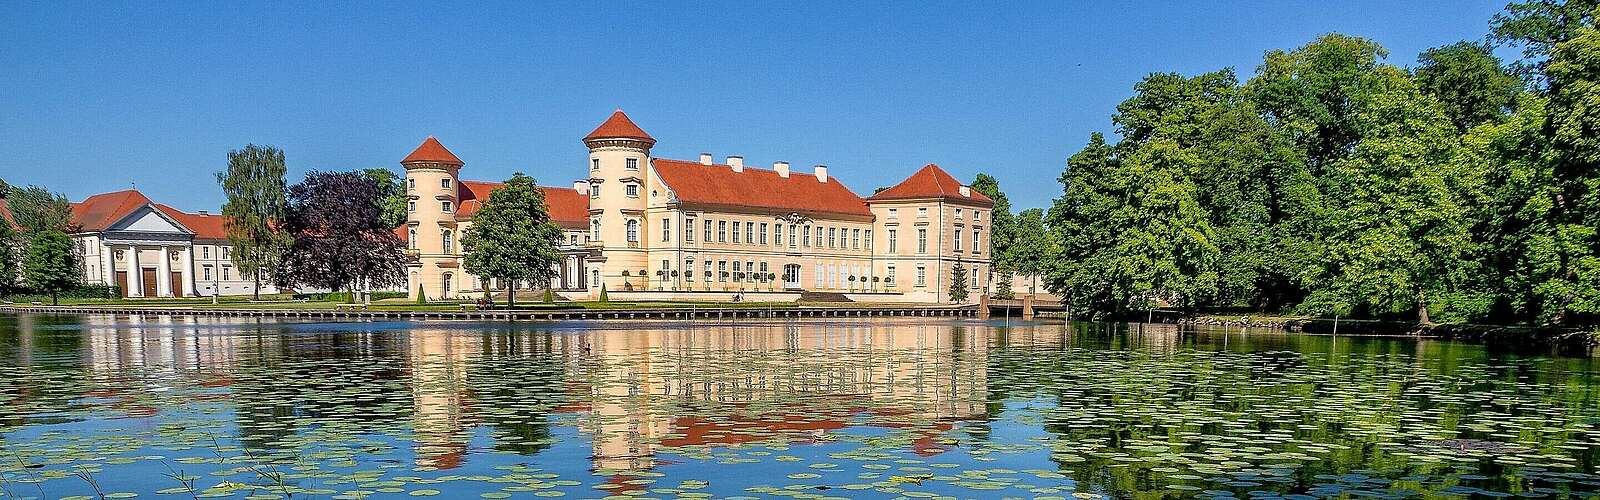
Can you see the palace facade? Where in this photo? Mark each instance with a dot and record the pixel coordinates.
(644, 227)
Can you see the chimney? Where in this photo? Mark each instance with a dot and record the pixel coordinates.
(705, 158)
(581, 186)
(737, 162)
(782, 167)
(966, 192)
(822, 173)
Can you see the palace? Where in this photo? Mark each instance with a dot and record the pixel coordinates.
(645, 228)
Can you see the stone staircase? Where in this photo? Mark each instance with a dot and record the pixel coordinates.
(813, 296)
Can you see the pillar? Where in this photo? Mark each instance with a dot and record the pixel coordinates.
(1027, 307)
(187, 259)
(135, 273)
(108, 270)
(164, 273)
(983, 306)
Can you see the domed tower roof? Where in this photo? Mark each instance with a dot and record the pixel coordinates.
(618, 126)
(432, 152)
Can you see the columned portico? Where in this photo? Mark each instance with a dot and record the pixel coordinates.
(135, 273)
(164, 272)
(187, 258)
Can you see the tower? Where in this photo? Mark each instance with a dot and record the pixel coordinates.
(619, 160)
(433, 240)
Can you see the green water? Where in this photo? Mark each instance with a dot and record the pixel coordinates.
(174, 407)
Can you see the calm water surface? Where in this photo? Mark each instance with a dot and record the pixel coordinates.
(174, 407)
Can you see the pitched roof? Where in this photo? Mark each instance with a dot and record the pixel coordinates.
(931, 182)
(205, 226)
(618, 125)
(568, 208)
(5, 214)
(99, 212)
(719, 185)
(432, 152)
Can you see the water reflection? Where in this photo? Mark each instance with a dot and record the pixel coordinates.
(877, 408)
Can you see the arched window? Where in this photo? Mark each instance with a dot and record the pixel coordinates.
(594, 277)
(449, 242)
(594, 230)
(633, 231)
(445, 286)
(411, 238)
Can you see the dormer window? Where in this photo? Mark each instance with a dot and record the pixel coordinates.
(958, 213)
(444, 183)
(633, 163)
(922, 212)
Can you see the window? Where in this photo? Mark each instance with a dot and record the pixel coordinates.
(227, 273)
(449, 242)
(975, 277)
(855, 239)
(205, 252)
(411, 238)
(817, 276)
(736, 231)
(777, 235)
(446, 206)
(688, 230)
(708, 232)
(737, 276)
(594, 277)
(922, 276)
(869, 239)
(411, 206)
(957, 239)
(688, 269)
(894, 213)
(632, 190)
(633, 163)
(750, 271)
(888, 275)
(594, 228)
(666, 269)
(411, 183)
(594, 164)
(977, 216)
(633, 230)
(892, 241)
(763, 233)
(831, 233)
(819, 236)
(722, 270)
(749, 232)
(444, 183)
(666, 230)
(922, 241)
(791, 236)
(722, 231)
(807, 232)
(227, 252)
(594, 191)
(708, 271)
(922, 212)
(975, 247)
(763, 270)
(207, 272)
(574, 240)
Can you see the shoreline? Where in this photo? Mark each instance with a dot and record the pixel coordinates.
(669, 313)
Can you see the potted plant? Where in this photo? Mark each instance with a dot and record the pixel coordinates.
(875, 283)
(772, 281)
(852, 282)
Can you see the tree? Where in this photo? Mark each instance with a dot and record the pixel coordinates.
(1031, 247)
(958, 283)
(10, 253)
(1573, 253)
(1538, 26)
(36, 209)
(339, 238)
(1307, 93)
(52, 264)
(393, 202)
(1002, 289)
(1468, 80)
(512, 239)
(254, 184)
(1001, 220)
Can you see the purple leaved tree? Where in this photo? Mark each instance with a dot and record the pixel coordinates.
(339, 239)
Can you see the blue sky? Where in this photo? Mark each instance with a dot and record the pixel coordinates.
(96, 97)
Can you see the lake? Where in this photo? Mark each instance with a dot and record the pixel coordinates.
(179, 407)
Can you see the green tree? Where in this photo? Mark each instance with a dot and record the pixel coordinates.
(1001, 220)
(10, 253)
(1394, 234)
(254, 185)
(52, 265)
(512, 239)
(1538, 26)
(393, 203)
(1468, 80)
(1307, 93)
(36, 209)
(1031, 248)
(958, 283)
(1573, 116)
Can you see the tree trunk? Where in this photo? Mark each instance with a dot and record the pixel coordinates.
(511, 295)
(255, 291)
(54, 301)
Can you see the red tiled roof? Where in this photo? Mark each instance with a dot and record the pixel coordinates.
(568, 208)
(931, 182)
(432, 152)
(618, 125)
(205, 226)
(5, 214)
(99, 212)
(758, 188)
